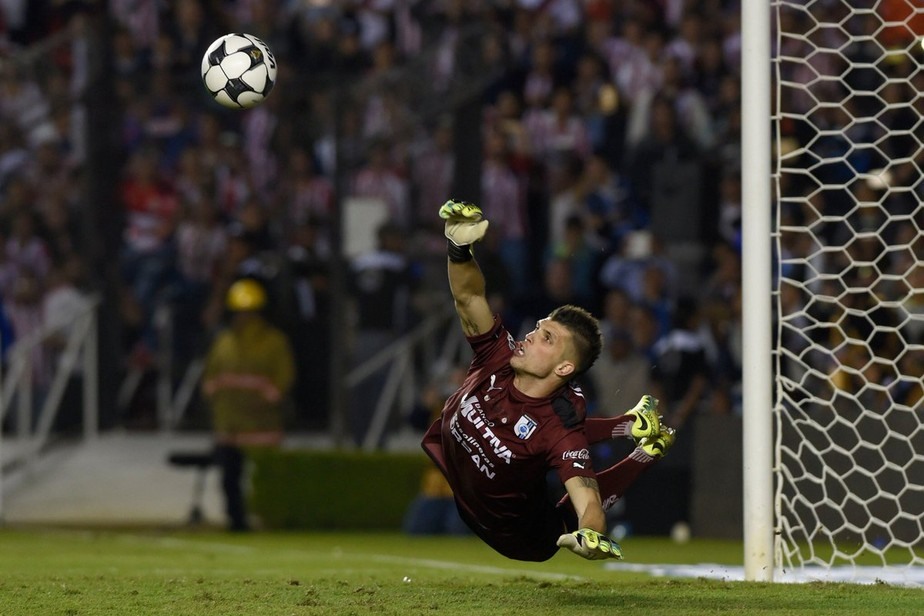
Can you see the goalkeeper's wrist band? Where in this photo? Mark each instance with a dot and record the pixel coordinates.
(459, 254)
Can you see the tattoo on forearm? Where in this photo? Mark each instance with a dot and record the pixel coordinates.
(469, 327)
(589, 482)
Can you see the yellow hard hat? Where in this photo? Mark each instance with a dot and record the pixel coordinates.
(245, 295)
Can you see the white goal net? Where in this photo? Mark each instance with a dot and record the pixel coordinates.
(848, 181)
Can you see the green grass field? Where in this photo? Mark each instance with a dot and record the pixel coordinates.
(128, 572)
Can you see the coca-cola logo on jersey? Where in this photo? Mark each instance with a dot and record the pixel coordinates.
(579, 454)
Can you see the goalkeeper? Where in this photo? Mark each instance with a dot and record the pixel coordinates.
(518, 415)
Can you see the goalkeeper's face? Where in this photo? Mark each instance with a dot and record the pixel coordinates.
(547, 351)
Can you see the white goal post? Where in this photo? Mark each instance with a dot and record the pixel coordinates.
(756, 285)
(833, 293)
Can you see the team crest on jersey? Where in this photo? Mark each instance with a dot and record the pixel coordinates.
(525, 427)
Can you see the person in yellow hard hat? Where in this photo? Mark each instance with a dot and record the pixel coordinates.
(248, 374)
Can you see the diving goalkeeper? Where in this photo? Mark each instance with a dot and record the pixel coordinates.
(518, 415)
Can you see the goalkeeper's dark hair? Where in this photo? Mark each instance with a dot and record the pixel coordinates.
(585, 331)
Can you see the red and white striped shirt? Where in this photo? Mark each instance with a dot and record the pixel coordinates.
(387, 185)
(503, 200)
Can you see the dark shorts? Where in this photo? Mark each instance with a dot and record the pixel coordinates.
(534, 535)
(534, 541)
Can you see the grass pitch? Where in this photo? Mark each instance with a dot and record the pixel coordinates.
(77, 573)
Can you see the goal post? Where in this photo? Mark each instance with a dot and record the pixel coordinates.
(833, 289)
(756, 287)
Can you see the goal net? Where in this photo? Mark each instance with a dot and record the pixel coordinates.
(847, 114)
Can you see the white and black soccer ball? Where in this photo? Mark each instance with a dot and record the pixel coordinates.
(239, 70)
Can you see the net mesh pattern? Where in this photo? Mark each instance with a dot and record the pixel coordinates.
(848, 178)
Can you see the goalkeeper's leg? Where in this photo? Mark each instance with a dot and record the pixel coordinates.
(640, 422)
(615, 481)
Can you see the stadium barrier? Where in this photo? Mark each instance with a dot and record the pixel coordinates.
(73, 369)
(333, 490)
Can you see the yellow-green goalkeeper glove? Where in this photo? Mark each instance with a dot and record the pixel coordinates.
(590, 544)
(465, 223)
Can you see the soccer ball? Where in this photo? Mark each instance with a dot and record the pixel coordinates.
(238, 70)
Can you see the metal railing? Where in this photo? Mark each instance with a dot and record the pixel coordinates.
(437, 340)
(33, 423)
(423, 345)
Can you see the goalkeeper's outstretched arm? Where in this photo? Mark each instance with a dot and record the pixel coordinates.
(590, 540)
(466, 225)
(584, 494)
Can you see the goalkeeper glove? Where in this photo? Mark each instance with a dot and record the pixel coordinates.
(590, 544)
(465, 225)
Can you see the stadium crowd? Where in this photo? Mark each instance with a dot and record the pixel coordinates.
(610, 173)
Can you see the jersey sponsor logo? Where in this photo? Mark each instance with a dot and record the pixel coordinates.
(576, 454)
(471, 445)
(470, 409)
(580, 465)
(525, 427)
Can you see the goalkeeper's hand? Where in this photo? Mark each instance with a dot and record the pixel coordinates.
(590, 544)
(465, 223)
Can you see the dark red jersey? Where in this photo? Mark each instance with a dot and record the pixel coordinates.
(496, 446)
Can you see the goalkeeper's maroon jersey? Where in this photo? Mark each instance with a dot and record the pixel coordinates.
(496, 446)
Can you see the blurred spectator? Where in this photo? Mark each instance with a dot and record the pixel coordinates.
(680, 380)
(681, 376)
(63, 301)
(305, 194)
(433, 511)
(709, 74)
(61, 229)
(506, 117)
(559, 132)
(380, 179)
(566, 198)
(259, 130)
(664, 169)
(497, 278)
(721, 333)
(64, 298)
(7, 333)
(202, 246)
(540, 80)
(687, 43)
(382, 282)
(609, 211)
(247, 256)
(580, 257)
(148, 256)
(658, 295)
(434, 167)
(616, 312)
(22, 102)
(621, 375)
(25, 249)
(191, 31)
(627, 269)
(248, 373)
(504, 201)
(557, 289)
(691, 106)
(140, 18)
(645, 330)
(307, 276)
(630, 66)
(730, 209)
(24, 308)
